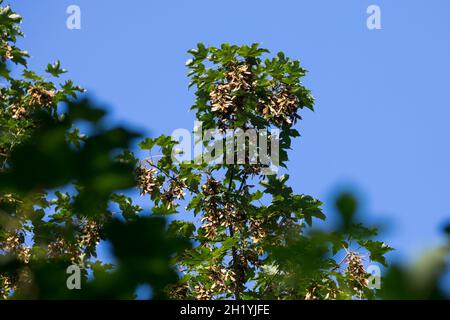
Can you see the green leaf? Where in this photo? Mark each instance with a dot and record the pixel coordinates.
(377, 250)
(147, 144)
(182, 228)
(55, 69)
(31, 75)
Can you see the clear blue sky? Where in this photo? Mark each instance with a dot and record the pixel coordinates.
(383, 101)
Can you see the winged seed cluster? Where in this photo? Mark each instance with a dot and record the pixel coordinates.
(38, 97)
(356, 271)
(280, 107)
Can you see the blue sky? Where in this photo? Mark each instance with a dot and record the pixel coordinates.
(382, 110)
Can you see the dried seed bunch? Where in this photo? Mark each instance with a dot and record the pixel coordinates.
(7, 198)
(201, 293)
(356, 272)
(90, 235)
(211, 187)
(24, 254)
(222, 101)
(235, 217)
(178, 291)
(313, 293)
(250, 255)
(6, 286)
(18, 111)
(253, 169)
(322, 291)
(62, 248)
(257, 230)
(216, 213)
(281, 107)
(240, 77)
(212, 220)
(6, 52)
(11, 243)
(225, 97)
(216, 217)
(175, 191)
(221, 278)
(146, 180)
(14, 244)
(39, 96)
(177, 187)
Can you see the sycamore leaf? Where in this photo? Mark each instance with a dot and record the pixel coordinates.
(377, 250)
(55, 69)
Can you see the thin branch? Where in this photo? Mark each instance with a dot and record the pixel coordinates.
(169, 176)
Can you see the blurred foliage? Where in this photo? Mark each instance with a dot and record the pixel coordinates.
(57, 187)
(248, 235)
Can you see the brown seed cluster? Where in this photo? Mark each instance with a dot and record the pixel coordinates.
(225, 96)
(211, 187)
(175, 191)
(253, 169)
(240, 78)
(148, 183)
(221, 278)
(281, 107)
(7, 52)
(213, 218)
(332, 293)
(62, 248)
(13, 244)
(356, 272)
(257, 230)
(222, 100)
(322, 291)
(24, 254)
(39, 96)
(250, 255)
(7, 197)
(313, 293)
(6, 286)
(178, 291)
(216, 213)
(89, 237)
(18, 111)
(146, 180)
(201, 293)
(220, 214)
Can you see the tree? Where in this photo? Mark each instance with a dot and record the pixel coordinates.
(254, 239)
